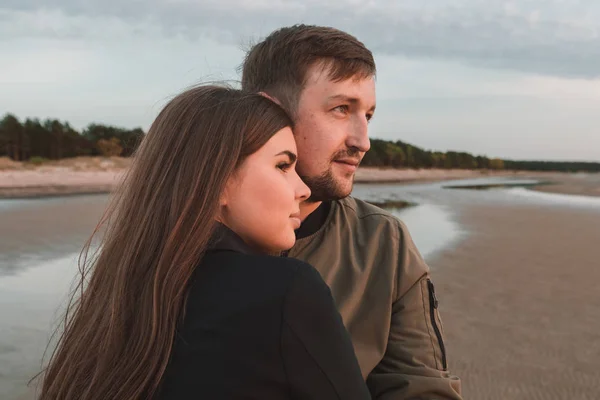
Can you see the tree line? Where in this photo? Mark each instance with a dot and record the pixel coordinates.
(565, 166)
(53, 139)
(397, 154)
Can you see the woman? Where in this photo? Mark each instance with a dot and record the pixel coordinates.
(184, 300)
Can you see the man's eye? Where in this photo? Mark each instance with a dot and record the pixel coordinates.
(342, 108)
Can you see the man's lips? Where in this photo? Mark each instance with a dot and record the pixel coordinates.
(348, 164)
(348, 161)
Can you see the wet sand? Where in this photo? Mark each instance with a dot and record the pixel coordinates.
(578, 184)
(90, 175)
(85, 175)
(520, 303)
(397, 175)
(53, 181)
(47, 228)
(584, 184)
(519, 296)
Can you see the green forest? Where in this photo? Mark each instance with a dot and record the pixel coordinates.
(34, 140)
(397, 154)
(51, 139)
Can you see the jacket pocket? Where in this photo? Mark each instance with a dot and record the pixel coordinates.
(433, 313)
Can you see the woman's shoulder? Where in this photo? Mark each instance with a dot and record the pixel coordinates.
(256, 270)
(294, 282)
(233, 283)
(234, 260)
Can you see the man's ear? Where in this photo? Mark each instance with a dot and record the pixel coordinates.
(273, 99)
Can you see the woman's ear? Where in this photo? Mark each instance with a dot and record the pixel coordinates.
(223, 201)
(228, 190)
(224, 198)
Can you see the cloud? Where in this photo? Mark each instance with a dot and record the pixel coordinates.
(551, 37)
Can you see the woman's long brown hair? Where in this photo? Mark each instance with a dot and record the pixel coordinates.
(120, 324)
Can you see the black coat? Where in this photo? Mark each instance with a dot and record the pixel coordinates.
(260, 327)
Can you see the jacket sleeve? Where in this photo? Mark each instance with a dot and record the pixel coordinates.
(317, 351)
(414, 365)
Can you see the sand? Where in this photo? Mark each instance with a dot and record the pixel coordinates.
(520, 303)
(84, 175)
(81, 175)
(584, 184)
(56, 181)
(392, 175)
(578, 184)
(519, 296)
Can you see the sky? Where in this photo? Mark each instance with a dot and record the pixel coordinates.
(512, 79)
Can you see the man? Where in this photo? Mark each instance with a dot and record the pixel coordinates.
(325, 79)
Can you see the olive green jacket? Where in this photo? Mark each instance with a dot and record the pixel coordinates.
(385, 295)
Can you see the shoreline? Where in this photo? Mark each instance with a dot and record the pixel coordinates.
(85, 177)
(516, 289)
(518, 302)
(40, 192)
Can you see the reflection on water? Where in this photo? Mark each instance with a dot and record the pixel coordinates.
(30, 306)
(493, 183)
(38, 254)
(431, 227)
(37, 230)
(517, 190)
(556, 198)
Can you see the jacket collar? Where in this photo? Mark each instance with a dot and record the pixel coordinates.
(224, 238)
(314, 221)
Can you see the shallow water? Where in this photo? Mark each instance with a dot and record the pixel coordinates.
(567, 200)
(30, 306)
(421, 218)
(38, 262)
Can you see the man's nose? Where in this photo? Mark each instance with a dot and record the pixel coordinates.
(359, 135)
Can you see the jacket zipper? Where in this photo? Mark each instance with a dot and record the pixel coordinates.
(433, 305)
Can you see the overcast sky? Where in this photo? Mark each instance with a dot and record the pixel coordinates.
(512, 79)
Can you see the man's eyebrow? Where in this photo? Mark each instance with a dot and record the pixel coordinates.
(288, 153)
(349, 99)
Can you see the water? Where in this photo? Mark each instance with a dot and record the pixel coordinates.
(422, 218)
(30, 305)
(568, 200)
(38, 262)
(40, 240)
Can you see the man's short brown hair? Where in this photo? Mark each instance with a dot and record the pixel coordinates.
(278, 65)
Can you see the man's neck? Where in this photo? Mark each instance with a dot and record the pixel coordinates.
(308, 208)
(314, 219)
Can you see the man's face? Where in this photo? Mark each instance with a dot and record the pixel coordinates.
(331, 132)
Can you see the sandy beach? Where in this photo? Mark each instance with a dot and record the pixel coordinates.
(577, 184)
(83, 175)
(518, 294)
(520, 301)
(98, 175)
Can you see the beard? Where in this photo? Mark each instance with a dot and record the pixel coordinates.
(326, 186)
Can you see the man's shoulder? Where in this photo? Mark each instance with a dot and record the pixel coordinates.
(363, 208)
(365, 215)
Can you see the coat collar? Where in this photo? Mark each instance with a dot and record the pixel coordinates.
(226, 239)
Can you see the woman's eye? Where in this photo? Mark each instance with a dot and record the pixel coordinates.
(284, 166)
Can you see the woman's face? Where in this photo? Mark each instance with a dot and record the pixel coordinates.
(261, 200)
